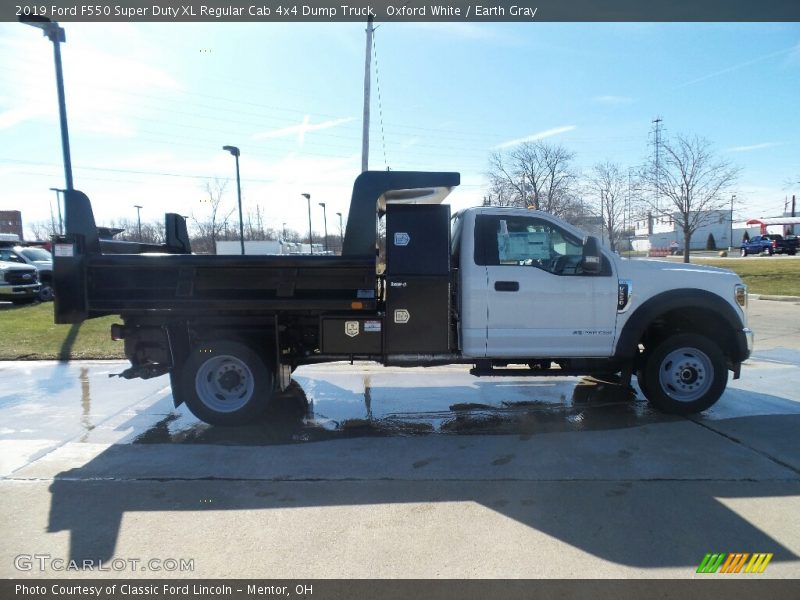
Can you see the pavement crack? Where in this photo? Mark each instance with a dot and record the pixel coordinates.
(735, 440)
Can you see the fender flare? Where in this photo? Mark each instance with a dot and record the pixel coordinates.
(665, 302)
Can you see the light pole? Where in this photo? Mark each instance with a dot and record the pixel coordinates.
(733, 197)
(55, 34)
(341, 231)
(139, 219)
(58, 191)
(235, 152)
(310, 240)
(325, 222)
(284, 232)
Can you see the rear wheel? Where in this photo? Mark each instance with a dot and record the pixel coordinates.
(225, 383)
(684, 374)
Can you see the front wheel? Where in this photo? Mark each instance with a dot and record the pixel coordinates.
(743, 252)
(225, 383)
(685, 374)
(46, 294)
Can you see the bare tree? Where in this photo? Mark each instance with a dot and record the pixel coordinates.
(609, 186)
(536, 174)
(694, 183)
(43, 230)
(214, 223)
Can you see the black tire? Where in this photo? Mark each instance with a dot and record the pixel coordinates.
(46, 294)
(686, 373)
(770, 251)
(225, 383)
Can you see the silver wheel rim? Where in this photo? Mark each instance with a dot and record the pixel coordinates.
(224, 383)
(686, 374)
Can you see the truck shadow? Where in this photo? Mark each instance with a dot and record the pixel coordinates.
(642, 521)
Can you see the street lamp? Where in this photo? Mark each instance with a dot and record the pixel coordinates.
(59, 191)
(55, 34)
(310, 241)
(284, 232)
(341, 230)
(139, 219)
(325, 222)
(733, 197)
(235, 152)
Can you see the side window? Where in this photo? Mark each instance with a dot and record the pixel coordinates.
(533, 242)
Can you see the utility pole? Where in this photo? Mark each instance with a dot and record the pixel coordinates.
(365, 123)
(58, 192)
(341, 232)
(325, 221)
(55, 33)
(310, 240)
(657, 142)
(139, 219)
(235, 152)
(730, 246)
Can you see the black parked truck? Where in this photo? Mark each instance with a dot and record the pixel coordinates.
(230, 330)
(488, 286)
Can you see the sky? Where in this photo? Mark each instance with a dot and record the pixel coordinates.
(151, 105)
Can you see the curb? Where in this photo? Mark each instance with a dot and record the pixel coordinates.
(775, 298)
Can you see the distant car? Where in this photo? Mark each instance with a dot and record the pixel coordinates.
(39, 258)
(772, 243)
(783, 245)
(19, 283)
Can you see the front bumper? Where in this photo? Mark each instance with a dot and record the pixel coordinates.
(9, 292)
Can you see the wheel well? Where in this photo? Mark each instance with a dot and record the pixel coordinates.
(698, 320)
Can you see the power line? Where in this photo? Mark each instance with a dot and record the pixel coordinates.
(380, 100)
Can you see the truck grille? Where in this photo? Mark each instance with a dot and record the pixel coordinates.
(20, 277)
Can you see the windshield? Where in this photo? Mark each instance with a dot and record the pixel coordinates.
(36, 254)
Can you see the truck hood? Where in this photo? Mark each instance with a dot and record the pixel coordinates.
(10, 266)
(653, 277)
(643, 267)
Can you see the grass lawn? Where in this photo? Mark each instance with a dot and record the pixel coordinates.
(28, 333)
(763, 275)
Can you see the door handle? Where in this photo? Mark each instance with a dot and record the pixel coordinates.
(506, 286)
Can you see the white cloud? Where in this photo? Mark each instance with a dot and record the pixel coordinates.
(536, 136)
(754, 147)
(613, 100)
(301, 129)
(738, 66)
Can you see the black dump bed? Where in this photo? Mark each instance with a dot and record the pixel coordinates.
(95, 278)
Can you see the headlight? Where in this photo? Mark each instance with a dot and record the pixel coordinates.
(740, 293)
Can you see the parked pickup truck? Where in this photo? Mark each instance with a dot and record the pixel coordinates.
(772, 243)
(19, 283)
(491, 287)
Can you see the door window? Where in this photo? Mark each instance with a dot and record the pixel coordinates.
(529, 241)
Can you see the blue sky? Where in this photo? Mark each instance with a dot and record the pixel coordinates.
(150, 106)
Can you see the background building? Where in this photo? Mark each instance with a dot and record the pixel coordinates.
(11, 222)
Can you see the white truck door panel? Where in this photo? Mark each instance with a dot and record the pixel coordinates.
(538, 301)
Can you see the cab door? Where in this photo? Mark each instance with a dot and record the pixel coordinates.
(539, 302)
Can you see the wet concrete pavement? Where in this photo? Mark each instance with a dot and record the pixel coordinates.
(365, 471)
